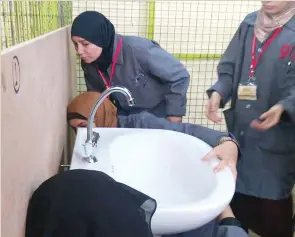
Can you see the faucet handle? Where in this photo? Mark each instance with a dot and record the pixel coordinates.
(131, 102)
(95, 138)
(90, 159)
(88, 148)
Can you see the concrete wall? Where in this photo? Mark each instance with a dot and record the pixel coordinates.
(37, 82)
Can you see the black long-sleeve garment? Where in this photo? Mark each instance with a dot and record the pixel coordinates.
(85, 203)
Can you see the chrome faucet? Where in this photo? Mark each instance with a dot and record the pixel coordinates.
(92, 137)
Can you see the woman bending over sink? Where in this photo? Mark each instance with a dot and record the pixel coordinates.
(67, 205)
(225, 147)
(157, 80)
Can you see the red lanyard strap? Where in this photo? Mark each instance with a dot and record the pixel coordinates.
(113, 65)
(254, 61)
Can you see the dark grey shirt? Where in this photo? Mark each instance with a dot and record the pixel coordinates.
(267, 166)
(148, 120)
(228, 227)
(157, 80)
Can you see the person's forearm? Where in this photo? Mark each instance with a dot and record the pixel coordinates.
(223, 87)
(228, 225)
(210, 136)
(171, 72)
(227, 218)
(226, 70)
(289, 106)
(175, 119)
(176, 99)
(226, 213)
(147, 120)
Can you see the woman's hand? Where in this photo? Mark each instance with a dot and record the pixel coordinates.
(212, 107)
(175, 119)
(227, 153)
(269, 118)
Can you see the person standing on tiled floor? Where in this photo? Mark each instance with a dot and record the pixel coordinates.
(257, 73)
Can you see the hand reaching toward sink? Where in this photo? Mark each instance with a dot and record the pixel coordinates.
(227, 152)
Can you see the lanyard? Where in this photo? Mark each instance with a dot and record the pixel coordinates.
(254, 61)
(113, 65)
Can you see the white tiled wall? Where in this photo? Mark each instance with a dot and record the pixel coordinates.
(194, 27)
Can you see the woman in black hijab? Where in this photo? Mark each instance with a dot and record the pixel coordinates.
(157, 80)
(95, 28)
(87, 203)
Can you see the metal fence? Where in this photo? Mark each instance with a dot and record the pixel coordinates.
(24, 20)
(196, 32)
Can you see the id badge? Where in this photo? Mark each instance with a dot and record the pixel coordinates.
(248, 91)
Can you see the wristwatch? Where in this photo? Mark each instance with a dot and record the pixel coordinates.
(226, 139)
(231, 139)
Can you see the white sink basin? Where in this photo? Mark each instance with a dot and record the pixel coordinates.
(166, 166)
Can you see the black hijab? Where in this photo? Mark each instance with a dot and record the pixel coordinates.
(88, 203)
(97, 29)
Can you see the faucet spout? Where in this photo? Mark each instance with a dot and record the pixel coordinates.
(102, 97)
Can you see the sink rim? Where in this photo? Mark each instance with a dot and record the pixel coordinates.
(223, 178)
(165, 220)
(224, 181)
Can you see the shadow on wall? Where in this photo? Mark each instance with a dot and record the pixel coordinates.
(37, 83)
